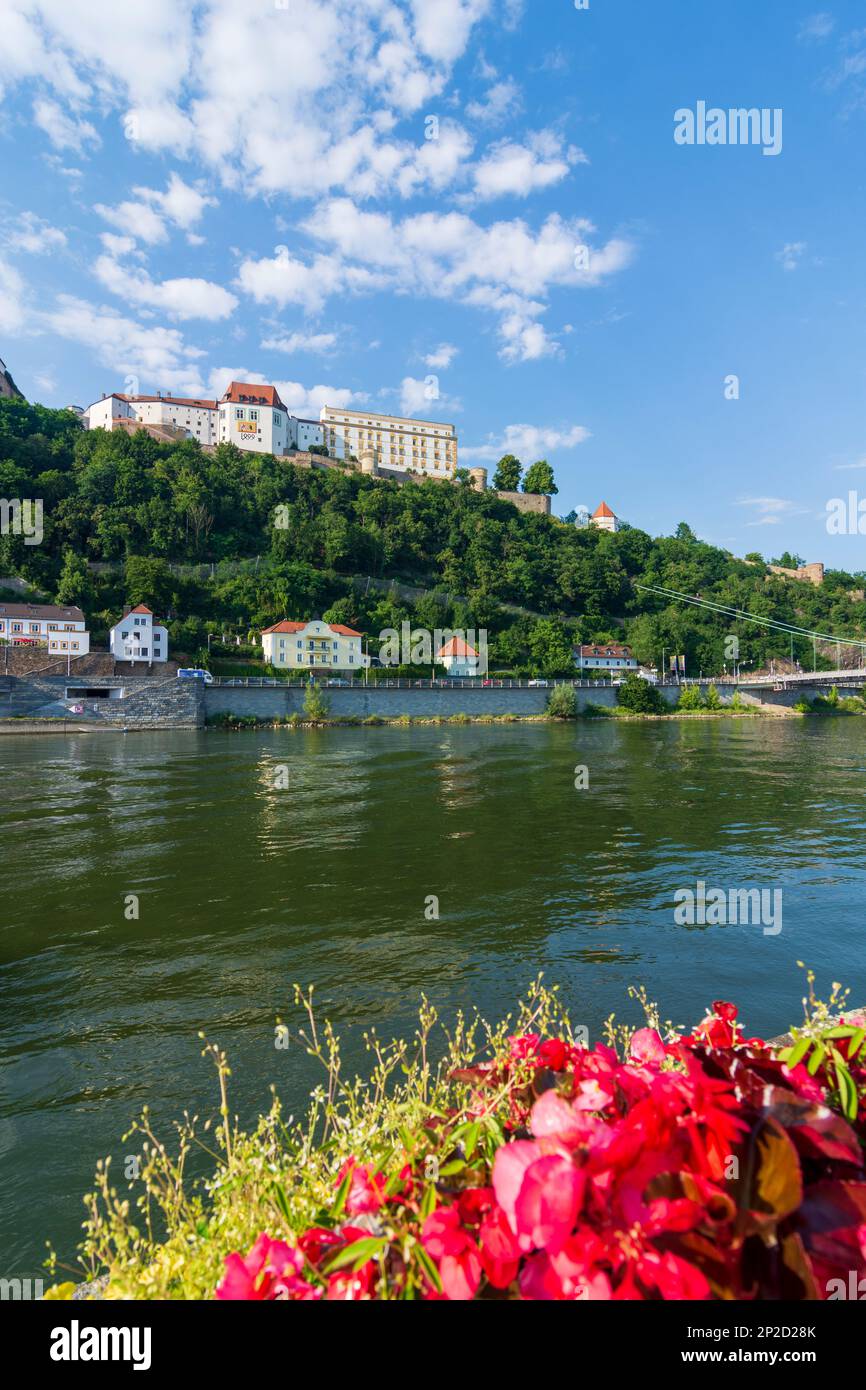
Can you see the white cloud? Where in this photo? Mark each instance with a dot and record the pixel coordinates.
(442, 27)
(65, 132)
(331, 78)
(527, 442)
(442, 357)
(501, 99)
(34, 235)
(180, 298)
(771, 510)
(301, 342)
(521, 169)
(816, 27)
(157, 355)
(507, 267)
(145, 215)
(791, 254)
(306, 401)
(12, 313)
(423, 398)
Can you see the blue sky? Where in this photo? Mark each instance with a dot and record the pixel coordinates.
(195, 191)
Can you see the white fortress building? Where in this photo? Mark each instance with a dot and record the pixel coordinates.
(248, 415)
(252, 416)
(427, 446)
(178, 415)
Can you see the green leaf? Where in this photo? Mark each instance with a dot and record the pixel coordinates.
(847, 1090)
(856, 1043)
(456, 1166)
(471, 1142)
(342, 1194)
(793, 1056)
(358, 1253)
(281, 1200)
(429, 1268)
(818, 1056)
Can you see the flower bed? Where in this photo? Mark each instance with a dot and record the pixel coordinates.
(660, 1164)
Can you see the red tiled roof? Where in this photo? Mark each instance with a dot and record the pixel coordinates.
(167, 400)
(139, 608)
(286, 626)
(605, 649)
(250, 393)
(604, 510)
(456, 647)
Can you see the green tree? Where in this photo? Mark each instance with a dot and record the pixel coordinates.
(562, 702)
(638, 696)
(507, 475)
(539, 478)
(75, 584)
(690, 698)
(713, 698)
(316, 706)
(551, 648)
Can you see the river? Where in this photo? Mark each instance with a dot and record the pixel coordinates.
(259, 859)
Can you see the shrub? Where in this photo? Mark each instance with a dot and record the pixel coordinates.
(639, 696)
(690, 698)
(713, 698)
(660, 1165)
(316, 706)
(562, 702)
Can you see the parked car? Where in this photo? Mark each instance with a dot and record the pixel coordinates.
(538, 684)
(337, 680)
(195, 673)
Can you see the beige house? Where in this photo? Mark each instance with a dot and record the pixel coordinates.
(314, 646)
(62, 630)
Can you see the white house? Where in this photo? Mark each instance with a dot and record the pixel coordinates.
(458, 657)
(137, 637)
(314, 645)
(602, 656)
(63, 630)
(605, 519)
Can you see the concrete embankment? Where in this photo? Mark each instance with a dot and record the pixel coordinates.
(46, 703)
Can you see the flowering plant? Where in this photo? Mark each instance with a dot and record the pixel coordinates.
(522, 1163)
(691, 1166)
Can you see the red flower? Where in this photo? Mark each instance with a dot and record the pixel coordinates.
(539, 1192)
(366, 1190)
(500, 1252)
(455, 1253)
(269, 1271)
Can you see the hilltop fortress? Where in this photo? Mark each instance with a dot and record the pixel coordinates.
(253, 417)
